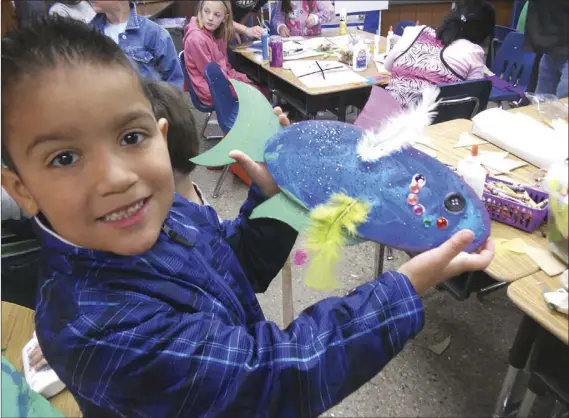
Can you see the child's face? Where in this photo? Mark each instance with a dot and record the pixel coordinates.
(213, 15)
(90, 157)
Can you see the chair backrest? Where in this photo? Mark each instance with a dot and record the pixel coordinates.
(462, 100)
(195, 101)
(400, 27)
(498, 37)
(371, 21)
(512, 63)
(225, 105)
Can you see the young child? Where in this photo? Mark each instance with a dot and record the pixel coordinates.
(147, 44)
(302, 18)
(147, 307)
(75, 9)
(205, 41)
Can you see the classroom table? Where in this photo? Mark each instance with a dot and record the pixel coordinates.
(527, 295)
(153, 9)
(309, 101)
(17, 329)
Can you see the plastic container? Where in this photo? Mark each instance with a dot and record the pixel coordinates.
(389, 42)
(376, 40)
(557, 225)
(265, 44)
(276, 51)
(360, 56)
(473, 172)
(343, 23)
(516, 214)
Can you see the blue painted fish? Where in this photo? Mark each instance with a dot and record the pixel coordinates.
(345, 185)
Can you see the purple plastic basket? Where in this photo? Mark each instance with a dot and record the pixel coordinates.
(515, 214)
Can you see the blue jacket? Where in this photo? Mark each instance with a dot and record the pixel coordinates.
(178, 331)
(149, 46)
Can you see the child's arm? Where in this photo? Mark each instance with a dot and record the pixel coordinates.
(168, 64)
(144, 358)
(325, 11)
(279, 19)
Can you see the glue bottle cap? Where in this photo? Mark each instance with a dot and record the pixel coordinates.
(474, 151)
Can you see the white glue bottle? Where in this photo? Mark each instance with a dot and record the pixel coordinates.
(376, 39)
(472, 171)
(389, 43)
(360, 56)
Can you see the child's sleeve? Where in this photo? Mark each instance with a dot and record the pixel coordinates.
(261, 245)
(325, 11)
(168, 62)
(144, 358)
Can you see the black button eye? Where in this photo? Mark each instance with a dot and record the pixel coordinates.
(455, 203)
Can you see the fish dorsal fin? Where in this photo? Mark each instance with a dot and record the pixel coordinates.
(399, 131)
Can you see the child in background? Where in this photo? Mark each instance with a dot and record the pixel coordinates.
(146, 305)
(75, 9)
(205, 41)
(302, 18)
(149, 46)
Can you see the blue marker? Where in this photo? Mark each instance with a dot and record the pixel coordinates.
(265, 44)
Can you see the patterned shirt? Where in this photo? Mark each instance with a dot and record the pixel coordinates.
(178, 331)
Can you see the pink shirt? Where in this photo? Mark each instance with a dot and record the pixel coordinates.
(295, 21)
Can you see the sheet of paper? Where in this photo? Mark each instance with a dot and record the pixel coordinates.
(305, 68)
(301, 55)
(334, 78)
(341, 41)
(503, 166)
(546, 261)
(467, 140)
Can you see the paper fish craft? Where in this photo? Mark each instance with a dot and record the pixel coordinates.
(345, 185)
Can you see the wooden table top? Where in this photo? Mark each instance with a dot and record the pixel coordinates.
(506, 266)
(289, 77)
(17, 329)
(152, 9)
(527, 294)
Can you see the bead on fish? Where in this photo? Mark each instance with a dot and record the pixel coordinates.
(427, 221)
(420, 180)
(442, 223)
(412, 199)
(414, 188)
(418, 210)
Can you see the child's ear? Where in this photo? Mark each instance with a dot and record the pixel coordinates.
(163, 126)
(18, 191)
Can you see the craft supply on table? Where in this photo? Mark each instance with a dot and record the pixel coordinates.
(276, 51)
(265, 44)
(522, 207)
(389, 41)
(521, 135)
(376, 39)
(360, 57)
(43, 381)
(472, 171)
(558, 222)
(318, 74)
(343, 24)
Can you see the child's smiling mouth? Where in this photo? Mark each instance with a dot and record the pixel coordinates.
(127, 215)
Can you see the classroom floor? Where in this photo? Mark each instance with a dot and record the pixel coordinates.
(464, 381)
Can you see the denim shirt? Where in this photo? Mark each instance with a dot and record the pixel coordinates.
(148, 46)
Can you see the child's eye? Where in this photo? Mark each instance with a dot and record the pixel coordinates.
(132, 138)
(65, 159)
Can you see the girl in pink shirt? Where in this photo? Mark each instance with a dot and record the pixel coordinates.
(302, 18)
(205, 41)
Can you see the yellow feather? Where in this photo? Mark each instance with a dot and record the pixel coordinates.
(329, 227)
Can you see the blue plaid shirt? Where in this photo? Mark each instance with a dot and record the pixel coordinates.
(178, 331)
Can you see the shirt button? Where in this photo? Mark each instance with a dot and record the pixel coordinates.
(124, 36)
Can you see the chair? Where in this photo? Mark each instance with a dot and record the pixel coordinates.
(500, 33)
(513, 65)
(400, 27)
(462, 100)
(195, 101)
(371, 21)
(225, 105)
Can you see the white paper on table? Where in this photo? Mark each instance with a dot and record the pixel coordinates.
(467, 140)
(307, 67)
(340, 41)
(335, 77)
(295, 38)
(380, 67)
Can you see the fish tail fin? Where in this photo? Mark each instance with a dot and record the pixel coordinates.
(255, 123)
(329, 227)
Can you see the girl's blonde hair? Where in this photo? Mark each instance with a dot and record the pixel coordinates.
(225, 30)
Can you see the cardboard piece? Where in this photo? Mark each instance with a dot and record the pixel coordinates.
(546, 261)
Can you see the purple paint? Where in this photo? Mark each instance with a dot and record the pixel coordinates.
(276, 51)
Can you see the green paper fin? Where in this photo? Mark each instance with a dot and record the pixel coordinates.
(283, 209)
(256, 122)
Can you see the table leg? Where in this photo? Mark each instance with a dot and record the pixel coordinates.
(515, 377)
(526, 405)
(379, 257)
(288, 308)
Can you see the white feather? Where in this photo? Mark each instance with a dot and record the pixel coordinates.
(399, 131)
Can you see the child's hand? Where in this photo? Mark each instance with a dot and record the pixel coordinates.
(254, 32)
(284, 31)
(311, 20)
(37, 360)
(258, 171)
(447, 261)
